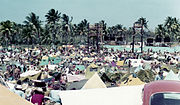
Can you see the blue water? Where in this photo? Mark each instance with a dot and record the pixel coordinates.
(162, 49)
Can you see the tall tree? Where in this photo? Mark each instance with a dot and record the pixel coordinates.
(52, 17)
(172, 26)
(143, 22)
(35, 23)
(67, 27)
(6, 30)
(28, 34)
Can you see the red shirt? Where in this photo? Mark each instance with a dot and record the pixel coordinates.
(37, 98)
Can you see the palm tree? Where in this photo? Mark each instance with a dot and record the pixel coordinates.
(83, 28)
(172, 26)
(6, 30)
(66, 27)
(160, 31)
(46, 37)
(52, 17)
(35, 23)
(104, 29)
(143, 22)
(28, 35)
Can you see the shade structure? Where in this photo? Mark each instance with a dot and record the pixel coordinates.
(91, 70)
(56, 60)
(171, 76)
(30, 76)
(77, 85)
(80, 67)
(132, 81)
(120, 63)
(94, 82)
(45, 57)
(44, 62)
(124, 95)
(9, 98)
(138, 69)
(72, 78)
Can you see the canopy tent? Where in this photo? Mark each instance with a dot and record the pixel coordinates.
(45, 57)
(132, 81)
(94, 82)
(88, 59)
(147, 66)
(15, 63)
(124, 95)
(44, 62)
(80, 67)
(52, 67)
(120, 63)
(77, 85)
(91, 70)
(135, 62)
(171, 76)
(56, 60)
(51, 59)
(178, 75)
(9, 98)
(28, 75)
(72, 78)
(164, 67)
(138, 69)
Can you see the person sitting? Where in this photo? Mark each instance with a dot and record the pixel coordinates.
(18, 90)
(38, 96)
(54, 94)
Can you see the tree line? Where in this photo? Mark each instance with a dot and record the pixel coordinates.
(59, 29)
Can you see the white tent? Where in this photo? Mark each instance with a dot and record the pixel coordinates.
(94, 82)
(171, 76)
(29, 73)
(72, 78)
(124, 95)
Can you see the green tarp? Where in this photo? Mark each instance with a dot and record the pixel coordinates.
(54, 60)
(44, 62)
(80, 67)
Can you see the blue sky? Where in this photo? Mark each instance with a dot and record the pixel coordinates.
(112, 11)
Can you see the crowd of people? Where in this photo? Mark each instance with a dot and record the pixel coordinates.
(49, 80)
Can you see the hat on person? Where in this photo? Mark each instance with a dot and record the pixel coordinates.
(24, 86)
(18, 87)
